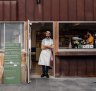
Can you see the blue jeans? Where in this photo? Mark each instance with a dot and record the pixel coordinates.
(45, 69)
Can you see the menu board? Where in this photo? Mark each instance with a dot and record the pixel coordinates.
(12, 62)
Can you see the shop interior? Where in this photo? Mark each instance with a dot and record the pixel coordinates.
(75, 35)
(37, 34)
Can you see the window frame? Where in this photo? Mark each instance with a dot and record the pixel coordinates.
(8, 22)
(73, 50)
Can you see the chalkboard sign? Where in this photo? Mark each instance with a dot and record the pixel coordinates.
(12, 62)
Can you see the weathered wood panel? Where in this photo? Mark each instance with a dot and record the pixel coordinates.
(55, 10)
(13, 11)
(57, 66)
(1, 10)
(21, 9)
(94, 10)
(89, 10)
(80, 10)
(63, 10)
(65, 67)
(30, 9)
(81, 66)
(7, 11)
(47, 10)
(38, 11)
(73, 67)
(72, 10)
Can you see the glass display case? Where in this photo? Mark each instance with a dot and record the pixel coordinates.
(77, 35)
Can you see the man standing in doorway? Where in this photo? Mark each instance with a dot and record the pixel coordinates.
(46, 54)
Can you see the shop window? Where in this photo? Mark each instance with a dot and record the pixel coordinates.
(14, 32)
(1, 36)
(77, 35)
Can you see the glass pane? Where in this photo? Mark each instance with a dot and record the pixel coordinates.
(1, 35)
(14, 33)
(22, 34)
(77, 35)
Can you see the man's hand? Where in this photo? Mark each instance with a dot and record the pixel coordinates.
(47, 47)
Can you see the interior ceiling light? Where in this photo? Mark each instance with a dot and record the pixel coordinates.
(76, 24)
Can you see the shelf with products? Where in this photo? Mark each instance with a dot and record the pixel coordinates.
(39, 37)
(64, 40)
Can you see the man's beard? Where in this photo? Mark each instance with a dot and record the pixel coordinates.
(47, 36)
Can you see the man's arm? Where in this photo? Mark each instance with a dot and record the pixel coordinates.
(46, 47)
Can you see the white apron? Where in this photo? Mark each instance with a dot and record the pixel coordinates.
(46, 54)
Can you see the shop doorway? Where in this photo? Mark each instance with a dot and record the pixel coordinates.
(37, 34)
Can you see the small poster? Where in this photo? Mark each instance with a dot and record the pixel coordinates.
(12, 62)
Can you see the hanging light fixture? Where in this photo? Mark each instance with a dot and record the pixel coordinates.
(38, 1)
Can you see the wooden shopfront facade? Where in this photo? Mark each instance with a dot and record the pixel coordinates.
(67, 62)
(48, 10)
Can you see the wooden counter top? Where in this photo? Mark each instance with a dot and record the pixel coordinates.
(75, 53)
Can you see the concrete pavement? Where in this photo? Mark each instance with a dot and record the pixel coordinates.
(54, 84)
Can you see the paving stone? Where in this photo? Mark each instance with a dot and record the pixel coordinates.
(54, 84)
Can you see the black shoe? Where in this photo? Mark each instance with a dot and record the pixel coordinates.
(47, 75)
(49, 67)
(42, 75)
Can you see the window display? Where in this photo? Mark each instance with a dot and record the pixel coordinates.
(77, 35)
